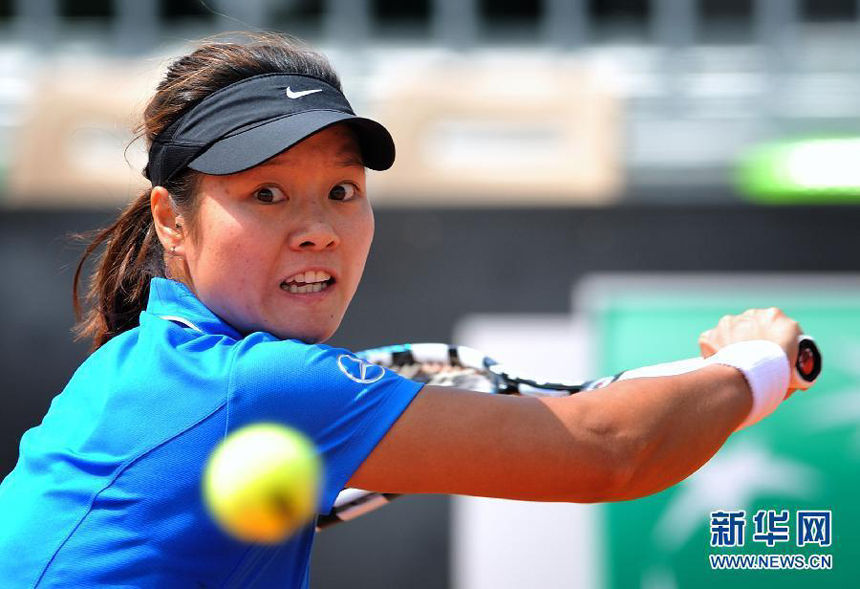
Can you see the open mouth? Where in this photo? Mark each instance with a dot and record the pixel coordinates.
(307, 282)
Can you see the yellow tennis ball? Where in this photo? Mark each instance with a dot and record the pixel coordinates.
(262, 482)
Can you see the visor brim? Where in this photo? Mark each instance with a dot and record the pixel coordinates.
(253, 146)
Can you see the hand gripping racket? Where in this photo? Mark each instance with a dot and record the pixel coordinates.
(467, 368)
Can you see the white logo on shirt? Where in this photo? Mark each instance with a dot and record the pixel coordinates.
(358, 370)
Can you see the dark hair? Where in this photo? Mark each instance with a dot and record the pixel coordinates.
(119, 286)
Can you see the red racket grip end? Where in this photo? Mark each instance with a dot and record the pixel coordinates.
(808, 365)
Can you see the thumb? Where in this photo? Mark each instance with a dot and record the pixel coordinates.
(706, 347)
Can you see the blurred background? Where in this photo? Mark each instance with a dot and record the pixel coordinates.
(581, 186)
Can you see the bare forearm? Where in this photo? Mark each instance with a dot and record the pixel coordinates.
(670, 427)
(627, 440)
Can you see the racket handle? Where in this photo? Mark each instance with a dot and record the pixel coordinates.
(353, 503)
(806, 369)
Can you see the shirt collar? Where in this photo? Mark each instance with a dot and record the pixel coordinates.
(173, 300)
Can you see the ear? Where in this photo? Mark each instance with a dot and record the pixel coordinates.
(168, 224)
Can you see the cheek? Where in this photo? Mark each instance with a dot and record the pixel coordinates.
(228, 273)
(226, 252)
(362, 237)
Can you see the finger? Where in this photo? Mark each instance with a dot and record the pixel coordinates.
(774, 312)
(706, 344)
(707, 351)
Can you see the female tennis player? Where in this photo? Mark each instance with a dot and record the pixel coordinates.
(208, 307)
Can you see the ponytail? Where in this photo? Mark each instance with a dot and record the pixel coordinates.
(119, 287)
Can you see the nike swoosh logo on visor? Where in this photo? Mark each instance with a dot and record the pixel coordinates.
(294, 95)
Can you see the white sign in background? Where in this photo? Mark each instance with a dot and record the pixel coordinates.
(502, 544)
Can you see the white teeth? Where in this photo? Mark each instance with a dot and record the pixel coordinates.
(305, 288)
(310, 276)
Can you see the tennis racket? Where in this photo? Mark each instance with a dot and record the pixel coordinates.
(467, 368)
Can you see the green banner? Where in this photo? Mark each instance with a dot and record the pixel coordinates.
(806, 456)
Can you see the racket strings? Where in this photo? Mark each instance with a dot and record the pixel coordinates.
(448, 375)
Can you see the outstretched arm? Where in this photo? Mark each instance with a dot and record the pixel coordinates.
(628, 440)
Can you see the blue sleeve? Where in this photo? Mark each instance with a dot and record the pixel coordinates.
(343, 404)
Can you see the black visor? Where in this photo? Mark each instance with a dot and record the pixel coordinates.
(248, 122)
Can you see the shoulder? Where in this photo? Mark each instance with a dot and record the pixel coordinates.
(294, 368)
(262, 354)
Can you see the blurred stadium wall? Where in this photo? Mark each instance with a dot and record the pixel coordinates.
(538, 142)
(545, 102)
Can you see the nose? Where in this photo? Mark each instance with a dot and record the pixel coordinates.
(313, 232)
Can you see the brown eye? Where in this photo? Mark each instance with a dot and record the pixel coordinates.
(269, 194)
(343, 191)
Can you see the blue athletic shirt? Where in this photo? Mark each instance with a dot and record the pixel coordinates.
(107, 490)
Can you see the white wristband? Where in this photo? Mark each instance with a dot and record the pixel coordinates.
(766, 370)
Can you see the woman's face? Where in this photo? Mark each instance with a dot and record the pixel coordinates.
(281, 247)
